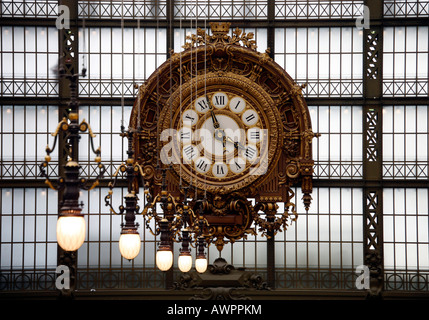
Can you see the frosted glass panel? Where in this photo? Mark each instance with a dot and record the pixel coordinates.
(29, 53)
(320, 58)
(25, 134)
(405, 61)
(21, 223)
(406, 227)
(340, 141)
(330, 235)
(116, 59)
(106, 124)
(405, 141)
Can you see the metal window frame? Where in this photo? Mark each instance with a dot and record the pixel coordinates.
(372, 102)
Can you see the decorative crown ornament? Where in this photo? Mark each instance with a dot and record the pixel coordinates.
(220, 28)
(220, 32)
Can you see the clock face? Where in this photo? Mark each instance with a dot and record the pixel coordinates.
(220, 138)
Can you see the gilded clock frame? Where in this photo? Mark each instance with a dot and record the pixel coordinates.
(220, 59)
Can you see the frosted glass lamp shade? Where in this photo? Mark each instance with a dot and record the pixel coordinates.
(164, 259)
(201, 265)
(70, 232)
(129, 245)
(185, 263)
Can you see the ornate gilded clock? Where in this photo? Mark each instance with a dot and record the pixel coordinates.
(220, 134)
(227, 124)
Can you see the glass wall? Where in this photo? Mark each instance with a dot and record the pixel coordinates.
(121, 43)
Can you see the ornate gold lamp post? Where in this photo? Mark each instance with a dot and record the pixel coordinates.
(129, 241)
(71, 227)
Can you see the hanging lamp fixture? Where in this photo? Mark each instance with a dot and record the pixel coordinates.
(71, 225)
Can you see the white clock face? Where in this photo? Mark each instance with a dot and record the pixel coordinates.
(210, 138)
(221, 135)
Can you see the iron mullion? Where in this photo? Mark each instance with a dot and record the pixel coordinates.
(372, 151)
(344, 182)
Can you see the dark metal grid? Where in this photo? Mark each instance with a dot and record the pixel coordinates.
(22, 51)
(28, 220)
(405, 142)
(228, 10)
(101, 246)
(36, 8)
(406, 61)
(406, 8)
(24, 134)
(106, 124)
(315, 101)
(330, 9)
(117, 60)
(328, 60)
(119, 9)
(317, 279)
(406, 239)
(337, 153)
(329, 236)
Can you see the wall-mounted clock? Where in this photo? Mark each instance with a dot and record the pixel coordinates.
(229, 124)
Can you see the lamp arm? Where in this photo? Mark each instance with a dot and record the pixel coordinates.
(108, 198)
(97, 179)
(147, 220)
(63, 125)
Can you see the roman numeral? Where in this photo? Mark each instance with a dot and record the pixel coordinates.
(189, 117)
(237, 166)
(250, 152)
(220, 100)
(236, 106)
(202, 165)
(250, 117)
(254, 135)
(189, 150)
(219, 170)
(203, 104)
(185, 135)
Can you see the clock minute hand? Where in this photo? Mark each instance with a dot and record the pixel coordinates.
(215, 122)
(237, 144)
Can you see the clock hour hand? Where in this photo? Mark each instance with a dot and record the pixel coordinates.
(219, 134)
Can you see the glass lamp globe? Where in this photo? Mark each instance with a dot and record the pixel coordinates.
(201, 265)
(185, 262)
(129, 245)
(70, 232)
(164, 259)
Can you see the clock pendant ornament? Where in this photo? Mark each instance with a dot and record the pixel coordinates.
(218, 125)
